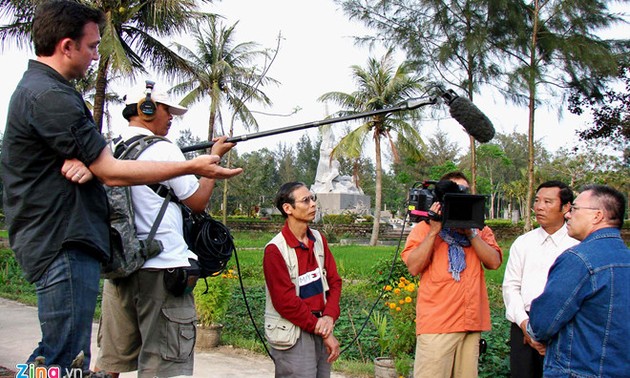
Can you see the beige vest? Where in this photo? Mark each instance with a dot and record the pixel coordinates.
(281, 333)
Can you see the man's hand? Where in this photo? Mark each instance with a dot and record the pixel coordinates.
(220, 146)
(332, 347)
(540, 347)
(436, 226)
(325, 326)
(206, 166)
(74, 170)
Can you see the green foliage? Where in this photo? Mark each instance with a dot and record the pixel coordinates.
(334, 219)
(13, 285)
(400, 337)
(213, 301)
(386, 269)
(496, 361)
(379, 320)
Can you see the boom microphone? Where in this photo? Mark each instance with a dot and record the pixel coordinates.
(469, 116)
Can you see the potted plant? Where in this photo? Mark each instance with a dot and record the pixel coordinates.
(396, 330)
(212, 303)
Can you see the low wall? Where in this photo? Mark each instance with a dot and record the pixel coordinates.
(385, 233)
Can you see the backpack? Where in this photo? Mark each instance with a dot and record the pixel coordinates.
(127, 253)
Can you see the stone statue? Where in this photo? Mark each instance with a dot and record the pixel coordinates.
(327, 178)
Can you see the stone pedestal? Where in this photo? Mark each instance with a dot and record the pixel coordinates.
(337, 203)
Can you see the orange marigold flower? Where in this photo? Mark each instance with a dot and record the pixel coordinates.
(388, 288)
(396, 291)
(408, 299)
(392, 305)
(398, 309)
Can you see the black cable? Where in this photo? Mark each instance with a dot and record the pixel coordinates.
(249, 311)
(391, 272)
(213, 244)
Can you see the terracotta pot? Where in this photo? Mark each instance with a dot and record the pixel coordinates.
(208, 337)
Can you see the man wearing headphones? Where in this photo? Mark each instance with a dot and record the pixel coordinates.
(59, 230)
(143, 313)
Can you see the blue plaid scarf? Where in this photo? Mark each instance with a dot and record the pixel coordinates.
(456, 256)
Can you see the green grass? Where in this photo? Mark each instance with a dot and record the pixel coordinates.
(254, 239)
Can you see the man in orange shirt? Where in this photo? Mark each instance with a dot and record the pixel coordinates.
(452, 307)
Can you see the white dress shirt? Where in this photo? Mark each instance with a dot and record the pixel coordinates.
(531, 256)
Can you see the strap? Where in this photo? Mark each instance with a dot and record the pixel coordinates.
(130, 150)
(158, 219)
(134, 146)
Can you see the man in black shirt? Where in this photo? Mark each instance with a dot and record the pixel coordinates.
(57, 216)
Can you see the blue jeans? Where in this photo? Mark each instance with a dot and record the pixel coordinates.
(66, 299)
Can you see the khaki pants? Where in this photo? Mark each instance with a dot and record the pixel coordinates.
(144, 327)
(447, 355)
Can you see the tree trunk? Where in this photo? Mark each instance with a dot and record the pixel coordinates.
(473, 149)
(473, 166)
(532, 112)
(100, 91)
(225, 188)
(377, 190)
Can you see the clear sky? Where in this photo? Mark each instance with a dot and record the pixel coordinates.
(315, 56)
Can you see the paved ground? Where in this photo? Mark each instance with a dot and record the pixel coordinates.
(19, 332)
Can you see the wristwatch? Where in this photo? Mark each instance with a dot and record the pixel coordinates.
(473, 234)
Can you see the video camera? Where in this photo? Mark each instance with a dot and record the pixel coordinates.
(459, 209)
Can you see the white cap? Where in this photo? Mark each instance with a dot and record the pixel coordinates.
(159, 97)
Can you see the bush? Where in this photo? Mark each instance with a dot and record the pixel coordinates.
(13, 285)
(212, 298)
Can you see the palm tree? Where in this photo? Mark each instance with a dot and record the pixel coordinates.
(129, 38)
(380, 85)
(225, 71)
(87, 87)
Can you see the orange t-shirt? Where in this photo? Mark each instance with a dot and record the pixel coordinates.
(445, 305)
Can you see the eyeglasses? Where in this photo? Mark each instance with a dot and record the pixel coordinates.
(575, 208)
(307, 200)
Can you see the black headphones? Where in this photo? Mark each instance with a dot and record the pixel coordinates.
(146, 107)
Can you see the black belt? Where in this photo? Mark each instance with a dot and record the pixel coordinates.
(318, 314)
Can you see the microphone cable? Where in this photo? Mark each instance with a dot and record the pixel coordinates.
(389, 278)
(249, 311)
(213, 245)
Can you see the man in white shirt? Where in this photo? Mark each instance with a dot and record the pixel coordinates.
(147, 324)
(531, 256)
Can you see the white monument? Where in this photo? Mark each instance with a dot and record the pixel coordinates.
(336, 193)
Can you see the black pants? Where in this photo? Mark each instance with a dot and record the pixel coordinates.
(525, 361)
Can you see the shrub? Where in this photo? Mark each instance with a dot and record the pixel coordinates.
(400, 301)
(212, 298)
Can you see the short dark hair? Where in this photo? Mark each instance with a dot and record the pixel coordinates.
(59, 19)
(566, 194)
(130, 111)
(455, 175)
(612, 200)
(285, 195)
